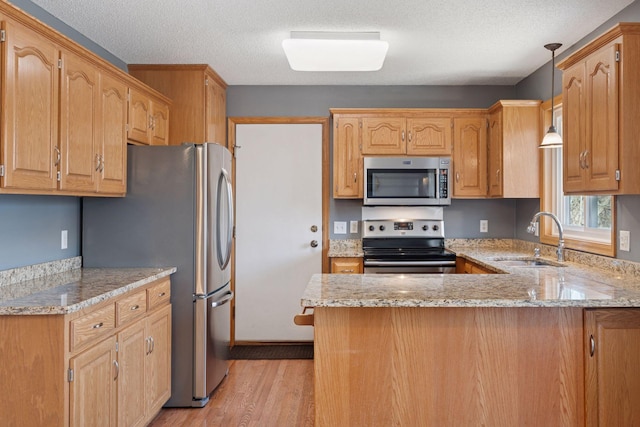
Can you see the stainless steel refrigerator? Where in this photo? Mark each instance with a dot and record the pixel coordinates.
(178, 212)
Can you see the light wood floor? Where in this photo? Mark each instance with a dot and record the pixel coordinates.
(255, 393)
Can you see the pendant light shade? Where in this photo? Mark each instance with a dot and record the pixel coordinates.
(552, 139)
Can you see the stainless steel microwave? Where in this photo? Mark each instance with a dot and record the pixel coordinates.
(410, 181)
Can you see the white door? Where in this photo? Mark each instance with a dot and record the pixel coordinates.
(278, 201)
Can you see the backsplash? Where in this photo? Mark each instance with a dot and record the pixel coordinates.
(30, 272)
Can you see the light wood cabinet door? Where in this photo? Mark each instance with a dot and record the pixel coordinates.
(429, 136)
(470, 157)
(384, 135)
(158, 360)
(159, 131)
(513, 154)
(574, 114)
(601, 157)
(112, 136)
(29, 110)
(139, 117)
(347, 160)
(347, 265)
(215, 110)
(132, 349)
(92, 397)
(612, 354)
(79, 124)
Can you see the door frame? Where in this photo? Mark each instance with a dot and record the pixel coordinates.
(231, 145)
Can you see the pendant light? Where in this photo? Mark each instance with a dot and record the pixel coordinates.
(552, 139)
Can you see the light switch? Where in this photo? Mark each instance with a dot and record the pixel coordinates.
(63, 239)
(353, 227)
(484, 225)
(339, 227)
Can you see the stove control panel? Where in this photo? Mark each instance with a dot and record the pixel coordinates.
(403, 228)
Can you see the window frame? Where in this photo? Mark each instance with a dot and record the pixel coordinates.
(548, 230)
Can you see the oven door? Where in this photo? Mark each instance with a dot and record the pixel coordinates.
(409, 267)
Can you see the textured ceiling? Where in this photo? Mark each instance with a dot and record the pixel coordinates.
(431, 42)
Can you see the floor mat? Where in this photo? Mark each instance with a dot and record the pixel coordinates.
(288, 351)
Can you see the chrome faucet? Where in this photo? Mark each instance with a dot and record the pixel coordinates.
(532, 229)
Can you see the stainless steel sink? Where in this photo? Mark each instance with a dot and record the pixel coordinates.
(526, 262)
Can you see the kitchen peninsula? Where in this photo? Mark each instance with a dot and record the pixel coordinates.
(525, 346)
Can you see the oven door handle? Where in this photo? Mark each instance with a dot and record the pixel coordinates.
(410, 263)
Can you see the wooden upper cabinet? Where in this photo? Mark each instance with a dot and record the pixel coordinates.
(429, 136)
(590, 90)
(79, 123)
(384, 135)
(112, 136)
(139, 117)
(513, 153)
(30, 77)
(601, 92)
(469, 157)
(198, 100)
(612, 350)
(347, 158)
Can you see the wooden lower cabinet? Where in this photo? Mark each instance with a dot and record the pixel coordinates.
(347, 265)
(464, 266)
(612, 357)
(443, 366)
(92, 393)
(88, 368)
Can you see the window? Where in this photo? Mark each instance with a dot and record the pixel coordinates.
(588, 221)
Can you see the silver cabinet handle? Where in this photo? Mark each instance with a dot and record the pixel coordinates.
(161, 294)
(97, 162)
(355, 177)
(350, 270)
(153, 345)
(409, 136)
(148, 340)
(592, 343)
(117, 366)
(586, 161)
(498, 174)
(101, 162)
(223, 300)
(135, 307)
(403, 135)
(98, 325)
(457, 176)
(58, 156)
(314, 244)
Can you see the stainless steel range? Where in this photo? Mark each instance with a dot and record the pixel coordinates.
(406, 246)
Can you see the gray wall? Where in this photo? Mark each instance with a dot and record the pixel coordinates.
(30, 229)
(538, 86)
(30, 226)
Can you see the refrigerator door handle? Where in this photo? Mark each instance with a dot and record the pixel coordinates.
(224, 182)
(222, 301)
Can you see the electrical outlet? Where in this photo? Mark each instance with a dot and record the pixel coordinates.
(353, 227)
(339, 227)
(63, 239)
(484, 225)
(625, 240)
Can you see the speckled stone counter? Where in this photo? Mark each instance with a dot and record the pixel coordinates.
(613, 283)
(349, 248)
(73, 290)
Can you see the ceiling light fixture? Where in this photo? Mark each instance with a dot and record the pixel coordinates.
(552, 139)
(335, 51)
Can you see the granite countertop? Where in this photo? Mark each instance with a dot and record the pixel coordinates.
(72, 290)
(574, 284)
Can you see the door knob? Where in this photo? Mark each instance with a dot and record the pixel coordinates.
(314, 243)
(314, 228)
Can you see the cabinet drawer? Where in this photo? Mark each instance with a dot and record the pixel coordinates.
(131, 307)
(159, 294)
(92, 325)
